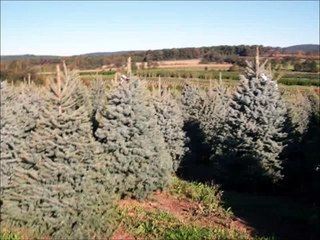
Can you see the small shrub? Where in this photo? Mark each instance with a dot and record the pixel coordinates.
(209, 196)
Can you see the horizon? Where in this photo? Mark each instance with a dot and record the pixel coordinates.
(118, 51)
(90, 27)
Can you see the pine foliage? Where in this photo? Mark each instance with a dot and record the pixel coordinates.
(299, 112)
(302, 152)
(255, 130)
(198, 149)
(170, 120)
(97, 94)
(191, 102)
(213, 115)
(10, 133)
(61, 188)
(19, 113)
(128, 130)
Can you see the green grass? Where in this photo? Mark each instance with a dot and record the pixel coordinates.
(179, 76)
(209, 196)
(300, 81)
(188, 73)
(158, 224)
(108, 73)
(9, 236)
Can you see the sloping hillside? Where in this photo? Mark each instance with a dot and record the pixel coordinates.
(303, 48)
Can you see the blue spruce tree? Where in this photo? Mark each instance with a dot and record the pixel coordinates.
(255, 130)
(61, 186)
(170, 120)
(128, 130)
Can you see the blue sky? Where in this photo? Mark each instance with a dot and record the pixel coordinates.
(68, 28)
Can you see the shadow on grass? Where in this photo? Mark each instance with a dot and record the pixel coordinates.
(279, 217)
(269, 215)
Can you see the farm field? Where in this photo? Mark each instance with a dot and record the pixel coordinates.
(191, 63)
(202, 78)
(176, 71)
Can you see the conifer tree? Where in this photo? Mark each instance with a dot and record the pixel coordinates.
(10, 133)
(198, 150)
(213, 116)
(61, 186)
(298, 166)
(97, 97)
(191, 102)
(128, 130)
(97, 94)
(302, 166)
(170, 120)
(299, 112)
(19, 114)
(297, 123)
(255, 130)
(311, 142)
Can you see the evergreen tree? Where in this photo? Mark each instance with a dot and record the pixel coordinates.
(128, 130)
(311, 142)
(213, 116)
(198, 150)
(170, 120)
(299, 112)
(302, 152)
(30, 100)
(10, 133)
(297, 123)
(255, 130)
(191, 103)
(97, 94)
(19, 113)
(97, 97)
(61, 186)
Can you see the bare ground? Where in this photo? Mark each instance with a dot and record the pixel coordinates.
(184, 210)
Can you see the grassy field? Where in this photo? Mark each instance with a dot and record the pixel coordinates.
(178, 76)
(178, 83)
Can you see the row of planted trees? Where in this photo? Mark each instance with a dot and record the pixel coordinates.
(255, 137)
(69, 152)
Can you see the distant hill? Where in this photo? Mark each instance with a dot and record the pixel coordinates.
(32, 56)
(302, 47)
(27, 56)
(292, 49)
(99, 54)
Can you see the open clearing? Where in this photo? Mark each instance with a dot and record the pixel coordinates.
(193, 63)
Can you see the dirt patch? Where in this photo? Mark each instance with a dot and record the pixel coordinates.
(122, 234)
(185, 209)
(161, 201)
(192, 63)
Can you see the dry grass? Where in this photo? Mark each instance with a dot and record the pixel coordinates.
(193, 63)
